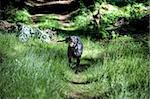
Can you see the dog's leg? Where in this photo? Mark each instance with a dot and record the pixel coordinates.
(78, 61)
(69, 61)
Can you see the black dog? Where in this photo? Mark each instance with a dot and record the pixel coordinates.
(75, 48)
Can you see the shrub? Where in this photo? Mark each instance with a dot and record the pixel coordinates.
(21, 16)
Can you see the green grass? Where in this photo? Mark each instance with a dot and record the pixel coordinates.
(117, 69)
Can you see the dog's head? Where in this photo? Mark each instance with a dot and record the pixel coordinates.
(72, 41)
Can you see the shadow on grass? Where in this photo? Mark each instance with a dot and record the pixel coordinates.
(87, 63)
(136, 28)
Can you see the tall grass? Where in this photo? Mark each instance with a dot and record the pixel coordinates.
(117, 69)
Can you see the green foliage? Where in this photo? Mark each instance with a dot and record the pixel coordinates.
(49, 24)
(122, 2)
(46, 17)
(135, 11)
(21, 16)
(111, 13)
(82, 20)
(118, 69)
(47, 21)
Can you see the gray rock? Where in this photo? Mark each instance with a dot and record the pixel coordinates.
(25, 32)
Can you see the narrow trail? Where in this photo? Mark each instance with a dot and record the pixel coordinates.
(82, 80)
(81, 84)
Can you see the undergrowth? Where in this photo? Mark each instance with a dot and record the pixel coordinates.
(109, 11)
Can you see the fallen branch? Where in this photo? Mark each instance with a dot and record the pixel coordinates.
(33, 4)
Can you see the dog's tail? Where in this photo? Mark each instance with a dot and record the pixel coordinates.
(61, 40)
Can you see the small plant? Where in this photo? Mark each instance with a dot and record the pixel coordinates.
(49, 24)
(21, 16)
(135, 11)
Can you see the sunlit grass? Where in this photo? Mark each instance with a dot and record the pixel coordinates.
(118, 69)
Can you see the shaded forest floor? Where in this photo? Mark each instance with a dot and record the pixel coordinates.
(116, 69)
